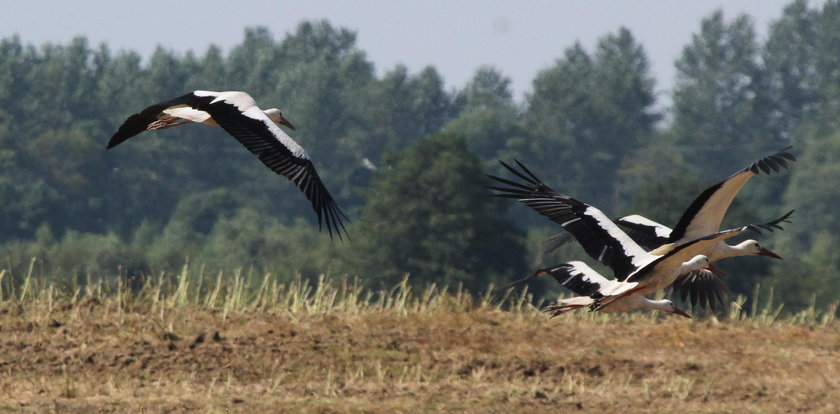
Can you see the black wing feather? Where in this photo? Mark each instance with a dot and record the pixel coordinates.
(700, 201)
(644, 235)
(703, 287)
(257, 138)
(138, 122)
(570, 214)
(556, 241)
(563, 274)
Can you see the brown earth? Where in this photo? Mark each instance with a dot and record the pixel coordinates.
(94, 358)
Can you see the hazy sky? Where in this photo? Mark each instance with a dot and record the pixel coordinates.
(456, 37)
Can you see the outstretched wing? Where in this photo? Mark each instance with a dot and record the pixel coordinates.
(148, 117)
(706, 212)
(238, 114)
(684, 252)
(599, 236)
(581, 279)
(644, 231)
(701, 287)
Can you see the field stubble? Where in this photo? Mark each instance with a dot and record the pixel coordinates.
(241, 345)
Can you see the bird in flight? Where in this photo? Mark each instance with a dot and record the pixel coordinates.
(238, 114)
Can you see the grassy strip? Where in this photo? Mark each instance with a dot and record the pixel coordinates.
(252, 292)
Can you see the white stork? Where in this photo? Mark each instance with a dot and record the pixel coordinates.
(585, 281)
(701, 218)
(704, 215)
(649, 273)
(257, 130)
(640, 272)
(658, 275)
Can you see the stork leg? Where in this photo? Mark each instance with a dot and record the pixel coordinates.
(556, 309)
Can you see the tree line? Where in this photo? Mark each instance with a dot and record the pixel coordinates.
(406, 157)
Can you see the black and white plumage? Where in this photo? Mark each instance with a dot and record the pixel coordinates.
(706, 212)
(703, 217)
(173, 113)
(645, 272)
(585, 281)
(699, 286)
(627, 291)
(648, 272)
(238, 114)
(649, 278)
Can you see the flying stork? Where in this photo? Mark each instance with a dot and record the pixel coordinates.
(703, 217)
(647, 272)
(638, 271)
(585, 281)
(238, 114)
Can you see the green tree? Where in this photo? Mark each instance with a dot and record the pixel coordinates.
(721, 104)
(428, 215)
(320, 80)
(812, 275)
(489, 119)
(810, 266)
(813, 191)
(589, 114)
(827, 61)
(488, 89)
(253, 240)
(193, 219)
(790, 58)
(404, 108)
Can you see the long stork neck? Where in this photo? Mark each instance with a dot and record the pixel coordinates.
(691, 266)
(663, 305)
(740, 249)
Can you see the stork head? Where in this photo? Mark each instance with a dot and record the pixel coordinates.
(662, 305)
(701, 261)
(751, 247)
(276, 116)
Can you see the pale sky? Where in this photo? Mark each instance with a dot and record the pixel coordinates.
(456, 37)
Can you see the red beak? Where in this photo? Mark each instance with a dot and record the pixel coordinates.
(680, 312)
(766, 252)
(284, 121)
(716, 270)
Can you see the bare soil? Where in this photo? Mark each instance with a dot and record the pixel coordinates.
(92, 357)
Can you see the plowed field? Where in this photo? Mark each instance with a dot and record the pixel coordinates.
(90, 357)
